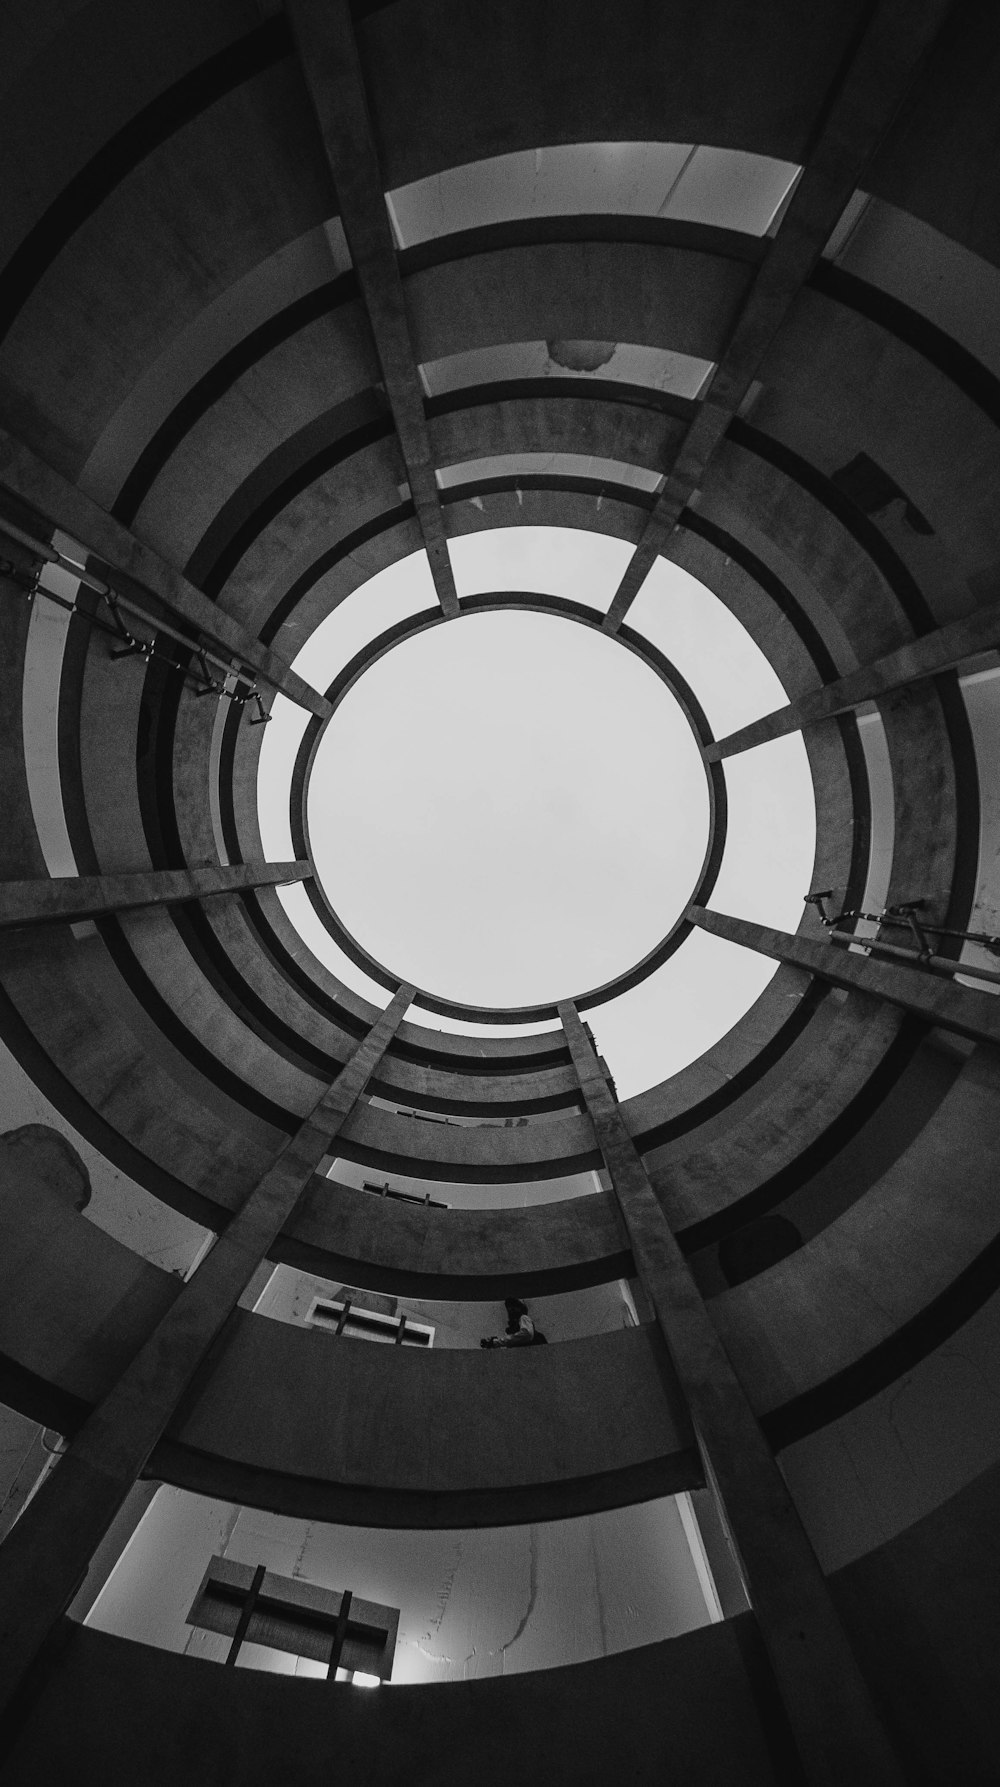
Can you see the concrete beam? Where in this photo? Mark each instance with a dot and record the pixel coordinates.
(71, 897)
(932, 997)
(324, 38)
(859, 112)
(955, 644)
(45, 1558)
(836, 1728)
(30, 489)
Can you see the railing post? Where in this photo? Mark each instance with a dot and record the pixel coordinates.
(246, 1615)
(340, 1634)
(45, 1557)
(836, 1728)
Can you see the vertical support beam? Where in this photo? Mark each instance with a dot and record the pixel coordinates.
(45, 1558)
(835, 1725)
(65, 899)
(957, 643)
(324, 38)
(35, 496)
(926, 995)
(859, 111)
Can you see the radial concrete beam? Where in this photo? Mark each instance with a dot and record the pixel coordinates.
(929, 996)
(955, 644)
(73, 897)
(324, 38)
(35, 497)
(836, 1728)
(44, 1559)
(860, 110)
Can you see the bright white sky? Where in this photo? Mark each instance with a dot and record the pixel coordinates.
(507, 806)
(510, 808)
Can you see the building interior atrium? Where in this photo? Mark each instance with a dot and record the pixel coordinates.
(500, 731)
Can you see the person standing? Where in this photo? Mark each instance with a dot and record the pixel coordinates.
(520, 1330)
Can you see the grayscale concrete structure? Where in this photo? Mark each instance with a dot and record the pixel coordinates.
(236, 381)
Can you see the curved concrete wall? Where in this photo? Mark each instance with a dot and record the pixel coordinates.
(682, 1704)
(884, 1260)
(385, 1244)
(294, 1419)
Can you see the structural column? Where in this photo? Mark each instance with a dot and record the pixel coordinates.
(324, 38)
(972, 637)
(45, 1558)
(36, 498)
(66, 898)
(837, 1731)
(930, 996)
(897, 37)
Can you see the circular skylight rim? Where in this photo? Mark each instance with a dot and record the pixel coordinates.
(559, 608)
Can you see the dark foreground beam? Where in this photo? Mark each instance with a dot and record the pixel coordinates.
(45, 1557)
(955, 644)
(71, 897)
(836, 1728)
(31, 492)
(324, 38)
(859, 113)
(929, 996)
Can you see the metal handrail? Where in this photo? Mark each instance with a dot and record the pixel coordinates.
(119, 604)
(903, 916)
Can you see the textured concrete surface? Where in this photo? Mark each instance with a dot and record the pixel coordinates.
(88, 896)
(909, 1600)
(119, 1205)
(934, 997)
(174, 350)
(829, 1705)
(457, 1252)
(683, 1705)
(76, 1304)
(139, 571)
(882, 1262)
(859, 113)
(968, 638)
(328, 52)
(296, 1402)
(108, 1454)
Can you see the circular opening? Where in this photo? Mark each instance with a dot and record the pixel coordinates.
(508, 809)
